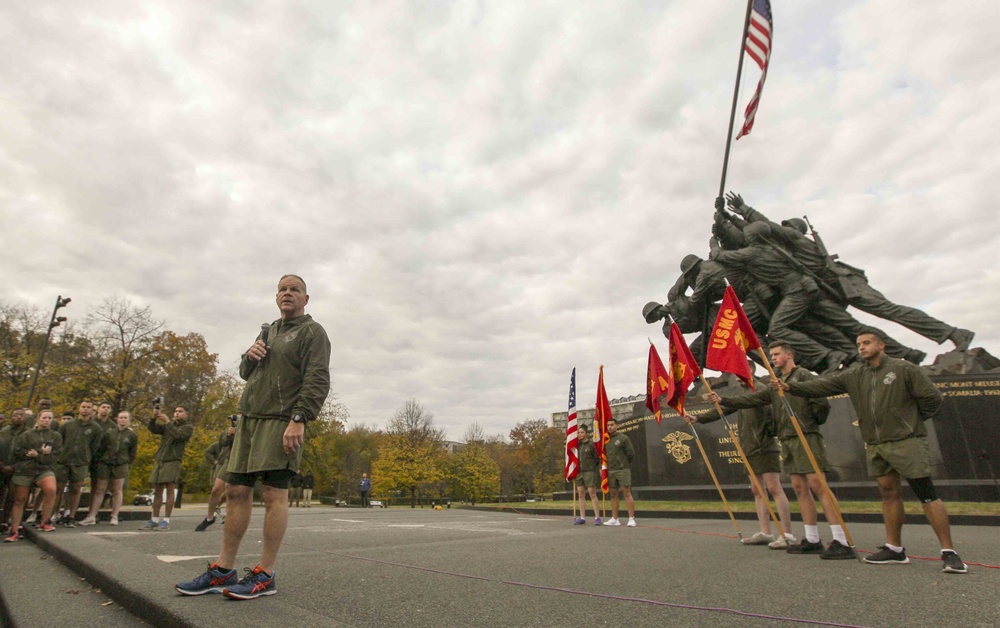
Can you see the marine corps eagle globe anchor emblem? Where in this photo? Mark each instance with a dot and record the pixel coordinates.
(676, 446)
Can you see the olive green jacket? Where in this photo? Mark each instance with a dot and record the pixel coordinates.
(811, 413)
(619, 452)
(755, 427)
(294, 376)
(217, 454)
(175, 435)
(80, 441)
(34, 439)
(120, 446)
(7, 435)
(892, 400)
(589, 462)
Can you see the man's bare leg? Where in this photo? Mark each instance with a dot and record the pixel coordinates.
(116, 496)
(73, 498)
(275, 523)
(215, 498)
(593, 500)
(614, 503)
(240, 500)
(807, 504)
(892, 508)
(937, 516)
(773, 483)
(169, 505)
(760, 503)
(629, 502)
(97, 496)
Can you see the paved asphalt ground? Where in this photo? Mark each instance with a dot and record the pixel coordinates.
(413, 568)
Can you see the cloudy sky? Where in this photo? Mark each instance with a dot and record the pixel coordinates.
(482, 195)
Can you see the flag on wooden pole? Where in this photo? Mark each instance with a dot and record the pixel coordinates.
(572, 467)
(683, 370)
(731, 338)
(657, 382)
(602, 412)
(758, 48)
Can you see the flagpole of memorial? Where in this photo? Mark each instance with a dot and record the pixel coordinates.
(704, 456)
(736, 93)
(812, 459)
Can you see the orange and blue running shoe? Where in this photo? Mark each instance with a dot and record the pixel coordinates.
(214, 580)
(255, 584)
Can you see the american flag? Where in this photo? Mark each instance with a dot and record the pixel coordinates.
(572, 467)
(758, 46)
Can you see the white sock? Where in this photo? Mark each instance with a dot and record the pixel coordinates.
(894, 548)
(812, 534)
(789, 535)
(838, 534)
(166, 520)
(155, 519)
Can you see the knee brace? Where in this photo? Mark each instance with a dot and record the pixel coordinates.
(924, 489)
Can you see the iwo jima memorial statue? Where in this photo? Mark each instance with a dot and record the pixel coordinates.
(792, 289)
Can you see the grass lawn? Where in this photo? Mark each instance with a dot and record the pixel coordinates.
(955, 508)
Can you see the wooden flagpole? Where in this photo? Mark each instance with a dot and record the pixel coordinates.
(746, 463)
(718, 486)
(812, 459)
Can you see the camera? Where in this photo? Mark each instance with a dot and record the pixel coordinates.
(233, 418)
(157, 402)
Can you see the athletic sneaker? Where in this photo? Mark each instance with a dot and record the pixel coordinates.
(597, 521)
(805, 547)
(885, 556)
(952, 563)
(69, 522)
(46, 527)
(758, 539)
(88, 521)
(204, 524)
(150, 525)
(782, 542)
(162, 525)
(255, 584)
(114, 521)
(612, 522)
(12, 538)
(579, 521)
(31, 518)
(631, 522)
(214, 580)
(838, 551)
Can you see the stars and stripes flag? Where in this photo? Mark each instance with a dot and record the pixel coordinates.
(602, 412)
(572, 466)
(758, 47)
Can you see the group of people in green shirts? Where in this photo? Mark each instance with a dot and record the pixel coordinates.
(891, 397)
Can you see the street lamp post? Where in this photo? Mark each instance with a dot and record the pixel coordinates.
(54, 322)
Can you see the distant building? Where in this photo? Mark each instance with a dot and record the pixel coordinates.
(620, 407)
(453, 447)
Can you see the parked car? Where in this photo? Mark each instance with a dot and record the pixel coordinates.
(143, 499)
(376, 503)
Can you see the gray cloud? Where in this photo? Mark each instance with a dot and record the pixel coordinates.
(480, 195)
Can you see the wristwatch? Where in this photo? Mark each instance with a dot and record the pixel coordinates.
(298, 418)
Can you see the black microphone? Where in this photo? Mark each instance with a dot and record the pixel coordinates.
(264, 328)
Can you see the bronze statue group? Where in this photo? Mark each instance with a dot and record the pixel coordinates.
(796, 295)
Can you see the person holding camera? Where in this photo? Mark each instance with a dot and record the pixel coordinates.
(217, 455)
(34, 453)
(175, 433)
(287, 371)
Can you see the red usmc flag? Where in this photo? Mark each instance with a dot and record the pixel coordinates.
(731, 339)
(683, 368)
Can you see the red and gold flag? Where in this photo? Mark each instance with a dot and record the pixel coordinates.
(732, 337)
(602, 412)
(683, 369)
(657, 382)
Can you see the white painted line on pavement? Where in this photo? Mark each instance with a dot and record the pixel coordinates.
(114, 533)
(401, 525)
(167, 558)
(349, 520)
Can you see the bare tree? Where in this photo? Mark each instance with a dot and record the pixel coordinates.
(416, 423)
(474, 434)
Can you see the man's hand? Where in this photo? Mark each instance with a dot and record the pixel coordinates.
(160, 417)
(294, 436)
(31, 453)
(736, 203)
(714, 248)
(777, 384)
(712, 397)
(690, 419)
(257, 351)
(720, 203)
